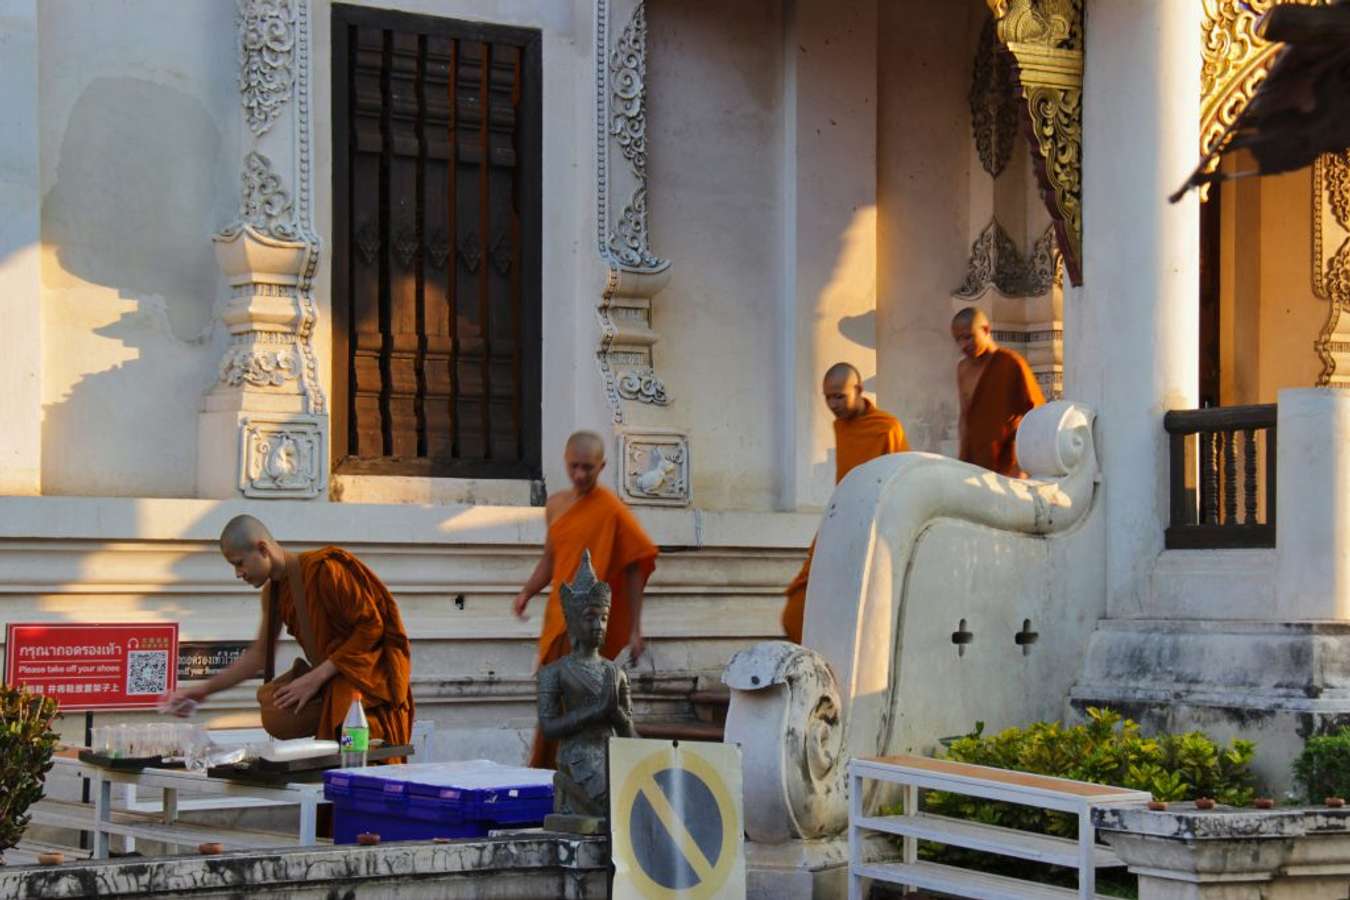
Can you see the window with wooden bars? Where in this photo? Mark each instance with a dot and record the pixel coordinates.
(436, 256)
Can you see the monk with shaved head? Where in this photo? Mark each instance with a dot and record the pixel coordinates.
(345, 620)
(997, 389)
(587, 516)
(861, 433)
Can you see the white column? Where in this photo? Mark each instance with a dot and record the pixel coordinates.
(1135, 334)
(829, 188)
(1312, 507)
(20, 244)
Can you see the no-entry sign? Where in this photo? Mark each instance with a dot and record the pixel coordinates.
(90, 666)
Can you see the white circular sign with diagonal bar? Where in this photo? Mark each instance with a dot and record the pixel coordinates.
(677, 820)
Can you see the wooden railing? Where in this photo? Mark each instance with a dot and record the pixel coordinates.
(1222, 477)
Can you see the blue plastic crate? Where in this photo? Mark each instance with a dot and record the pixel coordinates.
(420, 801)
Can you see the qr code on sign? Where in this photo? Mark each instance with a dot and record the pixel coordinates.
(147, 672)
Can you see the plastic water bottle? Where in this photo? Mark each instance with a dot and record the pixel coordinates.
(355, 740)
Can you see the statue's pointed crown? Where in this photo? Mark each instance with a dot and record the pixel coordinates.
(585, 590)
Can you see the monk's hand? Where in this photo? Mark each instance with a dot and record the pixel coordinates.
(636, 644)
(295, 695)
(518, 605)
(182, 702)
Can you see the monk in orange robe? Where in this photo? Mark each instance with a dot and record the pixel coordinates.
(357, 631)
(997, 389)
(861, 433)
(588, 516)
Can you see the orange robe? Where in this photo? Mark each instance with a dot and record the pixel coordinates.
(866, 436)
(357, 626)
(601, 523)
(1007, 390)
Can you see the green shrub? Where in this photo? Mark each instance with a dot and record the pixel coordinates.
(26, 746)
(1323, 768)
(1107, 749)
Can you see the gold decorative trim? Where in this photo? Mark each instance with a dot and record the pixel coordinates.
(1045, 38)
(1331, 268)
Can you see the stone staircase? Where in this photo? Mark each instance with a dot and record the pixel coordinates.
(703, 718)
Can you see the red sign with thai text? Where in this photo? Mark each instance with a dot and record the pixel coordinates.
(85, 666)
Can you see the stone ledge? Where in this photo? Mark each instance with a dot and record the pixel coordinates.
(200, 521)
(1182, 821)
(557, 865)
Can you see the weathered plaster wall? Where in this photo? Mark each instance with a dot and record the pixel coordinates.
(924, 172)
(715, 75)
(138, 117)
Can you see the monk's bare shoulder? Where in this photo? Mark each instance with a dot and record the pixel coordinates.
(557, 504)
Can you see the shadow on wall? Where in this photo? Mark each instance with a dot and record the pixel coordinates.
(139, 189)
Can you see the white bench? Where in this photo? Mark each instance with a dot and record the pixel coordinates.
(915, 773)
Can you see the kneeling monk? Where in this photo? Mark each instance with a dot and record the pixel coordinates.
(359, 643)
(588, 517)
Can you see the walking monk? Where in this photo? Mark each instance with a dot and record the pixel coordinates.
(358, 639)
(997, 390)
(588, 516)
(861, 433)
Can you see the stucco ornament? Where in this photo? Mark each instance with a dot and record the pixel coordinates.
(283, 457)
(258, 367)
(993, 103)
(1045, 38)
(266, 59)
(642, 384)
(264, 203)
(635, 272)
(995, 262)
(800, 712)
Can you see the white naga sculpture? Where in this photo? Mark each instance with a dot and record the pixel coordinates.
(893, 568)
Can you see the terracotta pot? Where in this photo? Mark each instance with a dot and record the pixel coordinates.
(1157, 805)
(1264, 803)
(210, 848)
(1335, 802)
(1204, 802)
(54, 858)
(366, 839)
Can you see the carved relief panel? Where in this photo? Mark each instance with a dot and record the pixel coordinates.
(283, 457)
(654, 468)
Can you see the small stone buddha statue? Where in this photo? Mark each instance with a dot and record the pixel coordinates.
(583, 700)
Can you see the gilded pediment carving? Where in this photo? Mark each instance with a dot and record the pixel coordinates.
(1045, 38)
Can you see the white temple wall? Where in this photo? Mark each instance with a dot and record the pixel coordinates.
(138, 118)
(20, 273)
(139, 138)
(715, 198)
(924, 175)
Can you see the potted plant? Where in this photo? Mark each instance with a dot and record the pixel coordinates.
(26, 746)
